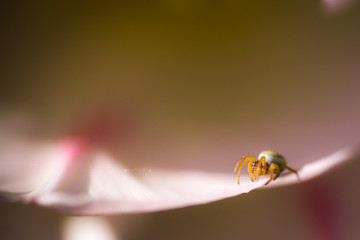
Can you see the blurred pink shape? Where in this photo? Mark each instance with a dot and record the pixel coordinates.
(334, 5)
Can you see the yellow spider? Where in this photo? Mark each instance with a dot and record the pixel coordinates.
(268, 162)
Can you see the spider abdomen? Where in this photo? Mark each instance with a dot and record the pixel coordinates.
(273, 157)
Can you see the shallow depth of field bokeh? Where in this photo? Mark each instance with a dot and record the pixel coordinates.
(191, 85)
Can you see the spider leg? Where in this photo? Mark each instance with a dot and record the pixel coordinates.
(263, 160)
(252, 159)
(237, 164)
(294, 171)
(277, 175)
(258, 170)
(261, 168)
(273, 167)
(238, 168)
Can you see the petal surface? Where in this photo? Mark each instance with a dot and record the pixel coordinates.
(97, 184)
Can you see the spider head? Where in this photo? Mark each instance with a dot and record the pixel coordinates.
(254, 166)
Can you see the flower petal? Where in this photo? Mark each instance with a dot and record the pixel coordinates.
(97, 184)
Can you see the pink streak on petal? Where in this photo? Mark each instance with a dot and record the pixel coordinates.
(70, 149)
(65, 155)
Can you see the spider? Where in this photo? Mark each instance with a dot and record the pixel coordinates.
(268, 162)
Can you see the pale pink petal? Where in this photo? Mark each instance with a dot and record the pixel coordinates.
(97, 184)
(78, 177)
(27, 164)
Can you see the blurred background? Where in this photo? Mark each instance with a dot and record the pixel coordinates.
(190, 85)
